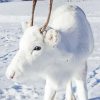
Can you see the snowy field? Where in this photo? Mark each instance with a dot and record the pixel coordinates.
(11, 32)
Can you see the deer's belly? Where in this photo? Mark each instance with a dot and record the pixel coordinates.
(61, 73)
(59, 79)
(59, 76)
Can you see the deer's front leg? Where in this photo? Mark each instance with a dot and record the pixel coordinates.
(50, 91)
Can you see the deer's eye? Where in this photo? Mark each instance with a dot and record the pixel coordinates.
(37, 48)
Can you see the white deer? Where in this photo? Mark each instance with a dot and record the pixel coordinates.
(59, 55)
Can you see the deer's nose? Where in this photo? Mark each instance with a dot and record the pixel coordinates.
(12, 76)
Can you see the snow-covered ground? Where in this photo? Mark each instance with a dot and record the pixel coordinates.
(11, 15)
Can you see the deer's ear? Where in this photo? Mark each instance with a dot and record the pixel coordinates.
(26, 25)
(52, 37)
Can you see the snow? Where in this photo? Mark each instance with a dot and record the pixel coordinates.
(11, 16)
(24, 8)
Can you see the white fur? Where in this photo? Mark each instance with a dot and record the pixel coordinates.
(63, 55)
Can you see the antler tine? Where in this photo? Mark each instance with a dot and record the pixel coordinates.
(42, 29)
(33, 10)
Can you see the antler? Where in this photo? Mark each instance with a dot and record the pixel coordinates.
(33, 10)
(42, 29)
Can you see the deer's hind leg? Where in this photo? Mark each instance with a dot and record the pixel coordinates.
(80, 81)
(69, 91)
